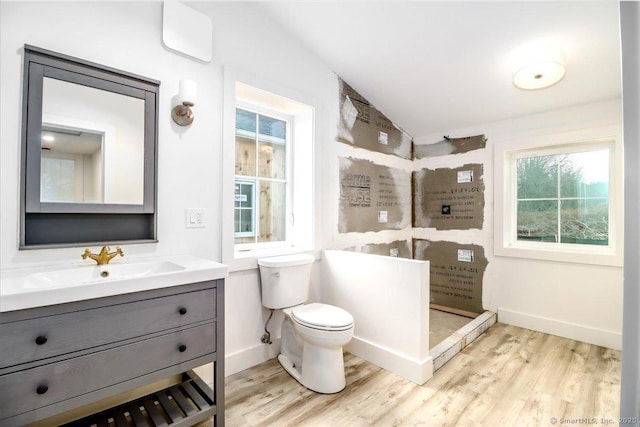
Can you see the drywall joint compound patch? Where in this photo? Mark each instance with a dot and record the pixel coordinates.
(465, 176)
(465, 255)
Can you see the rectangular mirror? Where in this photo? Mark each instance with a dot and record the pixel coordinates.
(89, 153)
(99, 135)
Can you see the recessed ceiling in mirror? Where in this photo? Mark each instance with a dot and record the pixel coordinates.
(92, 145)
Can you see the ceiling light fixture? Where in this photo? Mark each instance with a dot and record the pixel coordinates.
(539, 67)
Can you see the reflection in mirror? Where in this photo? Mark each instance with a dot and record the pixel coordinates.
(92, 145)
(71, 166)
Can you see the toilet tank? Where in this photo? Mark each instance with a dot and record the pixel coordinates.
(285, 280)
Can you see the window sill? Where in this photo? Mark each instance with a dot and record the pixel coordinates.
(248, 260)
(578, 255)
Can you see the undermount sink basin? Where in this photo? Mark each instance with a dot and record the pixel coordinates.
(92, 274)
(41, 286)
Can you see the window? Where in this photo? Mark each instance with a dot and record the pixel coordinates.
(261, 178)
(560, 202)
(564, 197)
(268, 172)
(244, 212)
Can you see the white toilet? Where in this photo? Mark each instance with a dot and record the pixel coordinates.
(312, 334)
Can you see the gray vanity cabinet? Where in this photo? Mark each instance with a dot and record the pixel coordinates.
(57, 358)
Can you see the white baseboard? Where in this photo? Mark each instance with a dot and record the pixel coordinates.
(245, 359)
(601, 337)
(415, 371)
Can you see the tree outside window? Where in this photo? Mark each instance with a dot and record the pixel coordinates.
(563, 198)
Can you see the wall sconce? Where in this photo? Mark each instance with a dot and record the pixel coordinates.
(182, 114)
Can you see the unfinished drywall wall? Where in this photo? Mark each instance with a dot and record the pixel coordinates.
(457, 272)
(373, 197)
(398, 248)
(449, 146)
(362, 125)
(449, 198)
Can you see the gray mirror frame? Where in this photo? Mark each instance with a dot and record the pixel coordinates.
(46, 224)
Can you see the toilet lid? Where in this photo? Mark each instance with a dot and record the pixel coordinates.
(322, 316)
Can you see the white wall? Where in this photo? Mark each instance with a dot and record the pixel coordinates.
(389, 301)
(128, 36)
(573, 300)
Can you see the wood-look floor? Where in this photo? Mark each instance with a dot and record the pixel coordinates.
(507, 377)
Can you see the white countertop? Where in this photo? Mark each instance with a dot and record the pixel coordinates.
(23, 288)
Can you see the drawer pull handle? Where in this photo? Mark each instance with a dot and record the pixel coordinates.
(41, 340)
(182, 348)
(182, 311)
(42, 389)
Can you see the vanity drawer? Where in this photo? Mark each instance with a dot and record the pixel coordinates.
(27, 390)
(42, 337)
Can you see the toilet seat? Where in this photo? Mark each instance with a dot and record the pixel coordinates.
(322, 316)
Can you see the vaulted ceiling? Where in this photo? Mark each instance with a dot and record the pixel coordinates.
(440, 66)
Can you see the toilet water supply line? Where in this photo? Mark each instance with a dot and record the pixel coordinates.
(266, 338)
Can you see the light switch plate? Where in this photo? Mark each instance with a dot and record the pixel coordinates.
(195, 217)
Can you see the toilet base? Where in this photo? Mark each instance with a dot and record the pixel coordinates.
(324, 373)
(290, 368)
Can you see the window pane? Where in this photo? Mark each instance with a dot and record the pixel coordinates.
(272, 212)
(585, 174)
(244, 217)
(537, 177)
(244, 195)
(245, 121)
(585, 221)
(272, 160)
(273, 129)
(245, 156)
(237, 224)
(538, 220)
(244, 226)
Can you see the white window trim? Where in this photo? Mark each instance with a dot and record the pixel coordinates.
(505, 242)
(235, 258)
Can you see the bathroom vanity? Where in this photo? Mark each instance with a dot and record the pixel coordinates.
(56, 358)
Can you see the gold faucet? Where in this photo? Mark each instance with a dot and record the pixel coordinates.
(104, 256)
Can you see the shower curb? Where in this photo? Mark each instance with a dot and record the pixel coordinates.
(461, 338)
